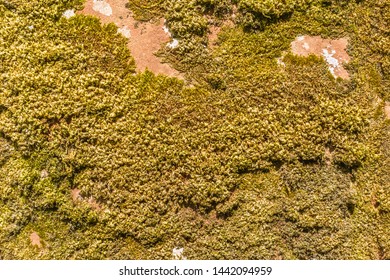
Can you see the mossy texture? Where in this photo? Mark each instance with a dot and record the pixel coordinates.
(254, 160)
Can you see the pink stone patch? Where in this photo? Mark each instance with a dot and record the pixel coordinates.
(35, 239)
(387, 110)
(333, 51)
(144, 38)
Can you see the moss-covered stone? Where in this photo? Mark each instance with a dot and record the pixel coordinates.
(286, 158)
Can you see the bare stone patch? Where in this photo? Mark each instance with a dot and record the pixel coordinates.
(328, 156)
(35, 240)
(215, 30)
(213, 35)
(76, 197)
(75, 193)
(333, 51)
(387, 110)
(145, 38)
(93, 203)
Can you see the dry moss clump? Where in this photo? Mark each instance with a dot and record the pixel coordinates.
(287, 158)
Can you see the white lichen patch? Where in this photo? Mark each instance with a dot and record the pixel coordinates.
(166, 30)
(173, 44)
(125, 31)
(44, 174)
(101, 6)
(178, 253)
(332, 62)
(69, 13)
(329, 58)
(280, 62)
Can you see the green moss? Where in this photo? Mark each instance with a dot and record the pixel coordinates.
(288, 159)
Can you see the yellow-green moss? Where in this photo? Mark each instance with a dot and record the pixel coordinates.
(288, 159)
